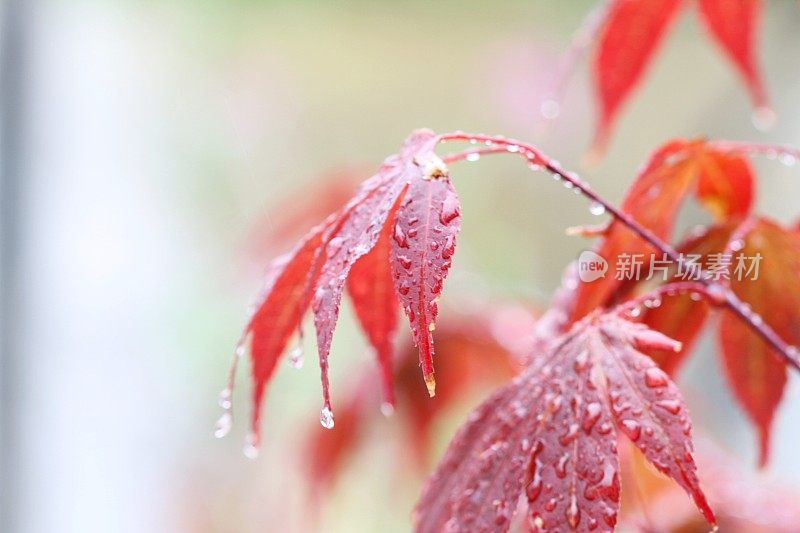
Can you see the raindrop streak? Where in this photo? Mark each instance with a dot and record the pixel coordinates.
(326, 418)
(597, 209)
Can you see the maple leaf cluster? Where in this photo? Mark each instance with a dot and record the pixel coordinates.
(599, 364)
(391, 244)
(551, 434)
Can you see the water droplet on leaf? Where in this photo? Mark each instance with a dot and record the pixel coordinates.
(632, 429)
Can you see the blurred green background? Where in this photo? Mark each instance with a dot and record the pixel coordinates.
(151, 140)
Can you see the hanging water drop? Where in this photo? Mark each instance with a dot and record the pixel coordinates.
(223, 425)
(763, 118)
(296, 356)
(239, 350)
(474, 156)
(789, 160)
(597, 209)
(250, 449)
(326, 418)
(387, 409)
(550, 109)
(224, 400)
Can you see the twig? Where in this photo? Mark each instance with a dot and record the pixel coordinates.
(722, 295)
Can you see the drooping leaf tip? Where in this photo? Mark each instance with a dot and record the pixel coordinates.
(430, 383)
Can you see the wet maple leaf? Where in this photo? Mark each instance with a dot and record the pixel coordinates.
(632, 30)
(394, 238)
(720, 178)
(551, 437)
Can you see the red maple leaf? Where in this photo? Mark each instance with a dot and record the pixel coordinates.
(630, 31)
(551, 435)
(394, 241)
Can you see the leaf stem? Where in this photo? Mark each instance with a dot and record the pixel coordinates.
(720, 295)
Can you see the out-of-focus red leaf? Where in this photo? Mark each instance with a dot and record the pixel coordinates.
(631, 34)
(471, 354)
(371, 287)
(422, 247)
(550, 435)
(721, 180)
(742, 502)
(756, 374)
(632, 30)
(733, 24)
(724, 183)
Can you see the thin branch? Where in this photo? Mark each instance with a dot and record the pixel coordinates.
(722, 295)
(669, 289)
